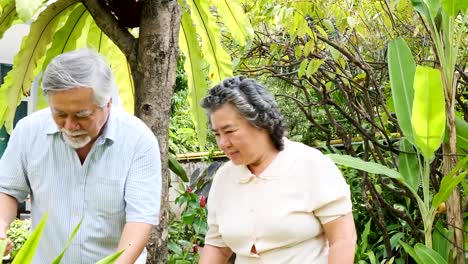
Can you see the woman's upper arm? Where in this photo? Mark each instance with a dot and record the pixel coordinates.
(341, 228)
(214, 255)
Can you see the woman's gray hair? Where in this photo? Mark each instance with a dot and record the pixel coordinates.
(253, 101)
(80, 68)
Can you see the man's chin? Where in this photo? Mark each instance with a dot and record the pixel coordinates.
(77, 144)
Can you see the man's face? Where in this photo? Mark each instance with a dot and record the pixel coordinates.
(77, 116)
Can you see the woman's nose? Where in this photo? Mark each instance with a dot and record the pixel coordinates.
(223, 142)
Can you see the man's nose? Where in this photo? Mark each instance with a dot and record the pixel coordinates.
(71, 124)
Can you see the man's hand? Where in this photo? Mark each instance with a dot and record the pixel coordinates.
(9, 246)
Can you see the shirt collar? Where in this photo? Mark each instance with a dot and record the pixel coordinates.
(278, 167)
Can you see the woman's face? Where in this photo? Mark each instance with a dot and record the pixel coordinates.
(242, 142)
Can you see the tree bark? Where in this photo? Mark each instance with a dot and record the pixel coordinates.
(154, 84)
(454, 206)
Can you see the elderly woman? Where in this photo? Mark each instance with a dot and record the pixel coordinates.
(275, 201)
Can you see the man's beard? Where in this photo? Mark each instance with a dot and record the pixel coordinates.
(75, 142)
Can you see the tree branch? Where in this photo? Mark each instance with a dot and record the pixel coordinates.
(110, 26)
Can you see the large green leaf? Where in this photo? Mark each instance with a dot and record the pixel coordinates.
(206, 27)
(18, 81)
(27, 8)
(368, 166)
(401, 68)
(97, 40)
(197, 85)
(428, 255)
(452, 7)
(428, 117)
(112, 258)
(411, 252)
(3, 245)
(175, 167)
(441, 238)
(66, 35)
(428, 8)
(421, 7)
(409, 165)
(8, 17)
(64, 40)
(234, 18)
(75, 230)
(28, 250)
(449, 182)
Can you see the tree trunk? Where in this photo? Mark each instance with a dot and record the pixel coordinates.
(454, 207)
(154, 85)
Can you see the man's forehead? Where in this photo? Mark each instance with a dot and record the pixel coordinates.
(78, 111)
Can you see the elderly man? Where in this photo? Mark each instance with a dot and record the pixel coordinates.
(83, 159)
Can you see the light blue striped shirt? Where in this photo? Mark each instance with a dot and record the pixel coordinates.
(119, 182)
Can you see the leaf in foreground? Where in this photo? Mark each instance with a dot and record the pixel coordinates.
(28, 250)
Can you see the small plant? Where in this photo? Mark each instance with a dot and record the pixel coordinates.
(28, 248)
(187, 233)
(18, 233)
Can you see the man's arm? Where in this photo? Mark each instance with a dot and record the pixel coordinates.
(133, 239)
(8, 212)
(341, 235)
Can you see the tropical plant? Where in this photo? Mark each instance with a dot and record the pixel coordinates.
(332, 56)
(28, 249)
(187, 232)
(18, 232)
(143, 60)
(419, 91)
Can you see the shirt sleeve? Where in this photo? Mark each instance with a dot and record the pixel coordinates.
(13, 175)
(213, 236)
(143, 185)
(332, 191)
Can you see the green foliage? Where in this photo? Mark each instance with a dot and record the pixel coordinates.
(449, 182)
(8, 17)
(27, 245)
(112, 258)
(27, 8)
(188, 231)
(18, 233)
(409, 164)
(3, 245)
(60, 256)
(368, 166)
(441, 240)
(25, 66)
(194, 72)
(428, 115)
(401, 70)
(182, 133)
(26, 253)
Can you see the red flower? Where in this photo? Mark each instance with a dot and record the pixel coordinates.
(202, 201)
(189, 190)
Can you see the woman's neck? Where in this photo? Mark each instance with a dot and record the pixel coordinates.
(264, 160)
